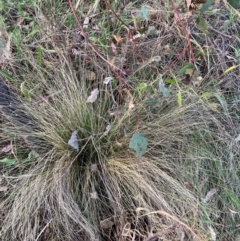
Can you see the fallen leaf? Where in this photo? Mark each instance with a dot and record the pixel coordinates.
(189, 72)
(94, 195)
(3, 189)
(32, 155)
(212, 233)
(119, 144)
(108, 128)
(188, 3)
(185, 68)
(8, 161)
(213, 106)
(202, 24)
(163, 89)
(130, 104)
(93, 96)
(238, 138)
(139, 143)
(86, 23)
(75, 52)
(7, 148)
(207, 5)
(117, 38)
(90, 75)
(107, 80)
(210, 195)
(144, 12)
(73, 141)
(234, 3)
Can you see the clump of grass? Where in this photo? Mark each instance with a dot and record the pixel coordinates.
(103, 191)
(68, 193)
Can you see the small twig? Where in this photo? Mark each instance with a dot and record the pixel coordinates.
(223, 34)
(39, 235)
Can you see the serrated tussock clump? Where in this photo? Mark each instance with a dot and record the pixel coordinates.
(181, 188)
(95, 193)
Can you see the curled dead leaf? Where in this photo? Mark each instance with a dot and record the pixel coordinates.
(73, 141)
(3, 189)
(7, 148)
(210, 195)
(93, 96)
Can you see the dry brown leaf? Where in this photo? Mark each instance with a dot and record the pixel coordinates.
(117, 38)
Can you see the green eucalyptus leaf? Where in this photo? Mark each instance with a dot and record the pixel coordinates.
(206, 5)
(163, 89)
(7, 161)
(138, 143)
(234, 3)
(186, 67)
(202, 24)
(144, 12)
(151, 101)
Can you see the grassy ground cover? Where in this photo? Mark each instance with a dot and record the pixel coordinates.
(125, 124)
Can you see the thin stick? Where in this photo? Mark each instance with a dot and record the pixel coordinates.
(43, 229)
(223, 34)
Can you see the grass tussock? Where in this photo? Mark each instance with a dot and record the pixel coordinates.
(72, 194)
(185, 187)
